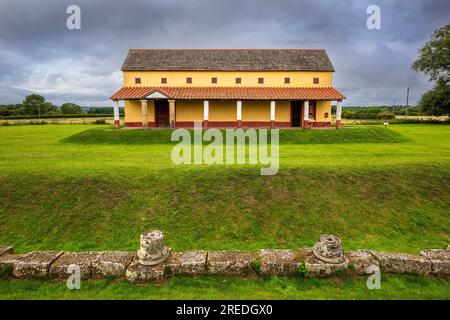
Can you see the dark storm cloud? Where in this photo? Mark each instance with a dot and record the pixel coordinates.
(39, 54)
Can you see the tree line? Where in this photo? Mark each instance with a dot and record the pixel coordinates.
(35, 104)
(379, 112)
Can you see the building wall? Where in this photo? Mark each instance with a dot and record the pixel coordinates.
(188, 110)
(224, 112)
(133, 111)
(227, 78)
(322, 108)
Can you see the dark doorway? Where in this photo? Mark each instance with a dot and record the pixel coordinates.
(162, 113)
(296, 111)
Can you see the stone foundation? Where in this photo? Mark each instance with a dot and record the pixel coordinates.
(266, 262)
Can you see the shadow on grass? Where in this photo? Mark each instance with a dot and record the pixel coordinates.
(109, 135)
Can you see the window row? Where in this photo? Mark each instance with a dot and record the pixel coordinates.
(214, 80)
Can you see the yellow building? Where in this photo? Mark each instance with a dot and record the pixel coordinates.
(228, 88)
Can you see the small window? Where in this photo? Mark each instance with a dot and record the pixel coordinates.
(326, 115)
(164, 80)
(287, 80)
(260, 80)
(238, 80)
(188, 80)
(214, 80)
(137, 80)
(316, 80)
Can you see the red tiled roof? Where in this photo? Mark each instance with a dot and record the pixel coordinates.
(232, 93)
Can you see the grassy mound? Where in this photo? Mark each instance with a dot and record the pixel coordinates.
(402, 209)
(107, 135)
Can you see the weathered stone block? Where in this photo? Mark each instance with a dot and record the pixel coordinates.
(138, 273)
(111, 264)
(152, 251)
(230, 262)
(6, 249)
(9, 260)
(83, 260)
(329, 249)
(402, 263)
(319, 268)
(35, 264)
(186, 263)
(440, 260)
(361, 260)
(282, 262)
(437, 254)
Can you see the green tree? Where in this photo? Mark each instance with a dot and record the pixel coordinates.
(434, 61)
(437, 100)
(71, 108)
(36, 104)
(33, 103)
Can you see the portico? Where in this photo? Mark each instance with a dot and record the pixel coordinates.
(159, 109)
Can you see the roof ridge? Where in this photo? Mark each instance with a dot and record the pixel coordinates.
(231, 49)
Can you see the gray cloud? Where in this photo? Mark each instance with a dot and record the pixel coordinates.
(38, 53)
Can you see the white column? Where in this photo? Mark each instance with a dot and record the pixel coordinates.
(306, 110)
(339, 110)
(238, 110)
(306, 114)
(272, 110)
(116, 114)
(205, 110)
(338, 114)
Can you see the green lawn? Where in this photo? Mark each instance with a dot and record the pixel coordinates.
(210, 287)
(87, 187)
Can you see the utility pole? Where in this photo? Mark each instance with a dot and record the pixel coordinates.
(407, 100)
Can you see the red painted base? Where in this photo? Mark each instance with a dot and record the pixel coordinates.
(306, 124)
(233, 124)
(338, 124)
(321, 124)
(117, 124)
(138, 125)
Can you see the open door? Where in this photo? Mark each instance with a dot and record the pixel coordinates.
(296, 112)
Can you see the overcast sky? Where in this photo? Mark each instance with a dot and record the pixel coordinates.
(39, 54)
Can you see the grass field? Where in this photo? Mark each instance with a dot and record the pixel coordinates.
(86, 187)
(392, 287)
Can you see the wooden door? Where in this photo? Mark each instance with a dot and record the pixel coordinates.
(162, 113)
